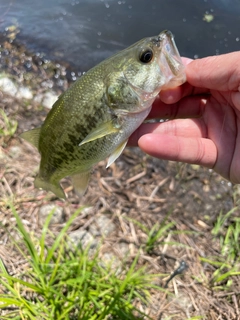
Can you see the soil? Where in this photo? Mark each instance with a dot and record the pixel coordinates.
(136, 186)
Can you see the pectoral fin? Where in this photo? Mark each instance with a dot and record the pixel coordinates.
(116, 153)
(80, 182)
(32, 136)
(102, 131)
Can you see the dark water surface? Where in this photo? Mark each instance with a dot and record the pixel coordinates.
(84, 32)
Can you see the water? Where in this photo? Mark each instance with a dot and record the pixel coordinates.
(84, 32)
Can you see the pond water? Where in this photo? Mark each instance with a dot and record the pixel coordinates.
(84, 32)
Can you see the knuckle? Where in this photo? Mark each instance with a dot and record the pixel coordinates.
(200, 151)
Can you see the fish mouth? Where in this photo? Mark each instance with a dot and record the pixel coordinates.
(170, 60)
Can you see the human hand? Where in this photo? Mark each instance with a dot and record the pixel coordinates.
(205, 129)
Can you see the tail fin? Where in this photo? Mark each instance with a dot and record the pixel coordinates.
(48, 186)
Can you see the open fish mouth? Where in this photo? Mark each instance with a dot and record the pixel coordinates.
(170, 60)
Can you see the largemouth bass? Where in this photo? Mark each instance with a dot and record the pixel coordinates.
(94, 118)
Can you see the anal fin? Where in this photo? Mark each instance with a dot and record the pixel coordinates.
(80, 182)
(116, 153)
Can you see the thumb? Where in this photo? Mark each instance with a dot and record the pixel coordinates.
(217, 72)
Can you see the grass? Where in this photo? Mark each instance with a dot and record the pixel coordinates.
(155, 234)
(226, 232)
(67, 282)
(7, 126)
(227, 264)
(64, 283)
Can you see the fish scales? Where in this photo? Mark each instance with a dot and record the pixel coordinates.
(94, 118)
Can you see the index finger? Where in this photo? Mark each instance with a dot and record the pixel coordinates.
(188, 107)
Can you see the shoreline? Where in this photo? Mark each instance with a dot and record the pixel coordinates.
(26, 75)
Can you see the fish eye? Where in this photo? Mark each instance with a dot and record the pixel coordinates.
(146, 56)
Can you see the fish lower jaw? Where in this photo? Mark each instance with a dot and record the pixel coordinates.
(174, 81)
(145, 107)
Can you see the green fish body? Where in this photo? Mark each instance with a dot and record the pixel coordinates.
(94, 118)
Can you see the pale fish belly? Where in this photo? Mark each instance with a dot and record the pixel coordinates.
(118, 142)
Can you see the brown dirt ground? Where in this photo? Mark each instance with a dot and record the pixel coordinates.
(139, 187)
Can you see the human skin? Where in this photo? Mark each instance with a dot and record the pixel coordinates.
(204, 113)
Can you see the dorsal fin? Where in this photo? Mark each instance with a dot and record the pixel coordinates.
(32, 136)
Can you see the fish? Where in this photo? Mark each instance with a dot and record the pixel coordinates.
(93, 119)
